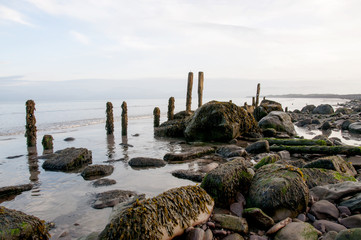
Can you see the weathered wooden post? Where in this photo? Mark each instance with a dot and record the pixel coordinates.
(109, 125)
(47, 142)
(171, 108)
(253, 102)
(200, 88)
(245, 104)
(286, 109)
(30, 133)
(124, 119)
(156, 113)
(189, 92)
(257, 96)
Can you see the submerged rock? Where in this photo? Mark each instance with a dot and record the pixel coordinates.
(111, 198)
(104, 182)
(141, 162)
(97, 171)
(68, 159)
(14, 190)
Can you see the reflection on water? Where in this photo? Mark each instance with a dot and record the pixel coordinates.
(111, 146)
(33, 164)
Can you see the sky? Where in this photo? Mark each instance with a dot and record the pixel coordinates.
(145, 48)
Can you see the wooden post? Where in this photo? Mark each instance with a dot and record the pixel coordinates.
(124, 119)
(30, 133)
(253, 102)
(286, 109)
(109, 125)
(156, 113)
(189, 92)
(245, 105)
(47, 142)
(171, 108)
(200, 88)
(257, 96)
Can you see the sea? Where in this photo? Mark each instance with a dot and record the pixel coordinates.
(65, 198)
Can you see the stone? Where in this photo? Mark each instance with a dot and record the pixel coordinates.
(275, 228)
(192, 154)
(195, 176)
(269, 132)
(355, 128)
(236, 208)
(345, 124)
(323, 109)
(271, 158)
(353, 203)
(344, 210)
(308, 108)
(232, 223)
(302, 217)
(258, 147)
(195, 234)
(304, 122)
(186, 206)
(18, 225)
(326, 226)
(331, 235)
(343, 110)
(208, 235)
(172, 128)
(111, 198)
(336, 163)
(274, 180)
(349, 234)
(226, 180)
(104, 182)
(297, 231)
(233, 236)
(326, 125)
(14, 190)
(68, 159)
(284, 155)
(231, 151)
(279, 121)
(318, 177)
(69, 139)
(323, 209)
(208, 167)
(258, 217)
(219, 121)
(352, 221)
(256, 237)
(97, 171)
(144, 162)
(334, 192)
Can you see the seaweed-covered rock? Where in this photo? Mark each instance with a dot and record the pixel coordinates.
(172, 128)
(226, 180)
(336, 163)
(279, 121)
(97, 171)
(308, 108)
(272, 158)
(355, 128)
(162, 217)
(219, 121)
(318, 177)
(14, 190)
(140, 162)
(18, 225)
(323, 109)
(280, 191)
(297, 231)
(349, 234)
(68, 159)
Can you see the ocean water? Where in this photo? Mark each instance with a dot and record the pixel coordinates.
(65, 198)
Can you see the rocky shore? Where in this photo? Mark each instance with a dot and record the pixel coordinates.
(257, 179)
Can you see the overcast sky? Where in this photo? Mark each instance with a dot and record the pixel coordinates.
(267, 41)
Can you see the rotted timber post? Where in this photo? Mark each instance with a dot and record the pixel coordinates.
(189, 92)
(30, 133)
(171, 108)
(258, 91)
(109, 125)
(156, 113)
(124, 119)
(200, 88)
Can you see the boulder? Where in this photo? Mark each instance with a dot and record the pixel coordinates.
(232, 223)
(345, 124)
(219, 121)
(104, 182)
(355, 128)
(97, 171)
(336, 163)
(319, 177)
(352, 221)
(354, 203)
(308, 108)
(297, 231)
(344, 110)
(279, 121)
(258, 147)
(331, 235)
(68, 159)
(274, 180)
(192, 154)
(195, 234)
(349, 234)
(258, 217)
(18, 225)
(144, 162)
(326, 226)
(162, 217)
(324, 210)
(173, 128)
(334, 192)
(271, 106)
(111, 198)
(14, 190)
(323, 109)
(195, 176)
(272, 158)
(231, 151)
(226, 180)
(326, 126)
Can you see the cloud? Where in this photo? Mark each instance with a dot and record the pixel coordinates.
(9, 14)
(80, 37)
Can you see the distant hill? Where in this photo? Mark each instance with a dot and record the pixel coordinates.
(344, 96)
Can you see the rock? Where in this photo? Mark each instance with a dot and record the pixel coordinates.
(272, 158)
(209, 167)
(173, 128)
(185, 206)
(18, 225)
(355, 128)
(349, 234)
(14, 190)
(336, 163)
(226, 180)
(324, 210)
(343, 110)
(258, 217)
(302, 217)
(344, 210)
(258, 147)
(91, 236)
(195, 176)
(331, 235)
(269, 132)
(297, 231)
(323, 109)
(326, 226)
(233, 236)
(345, 124)
(236, 208)
(326, 125)
(279, 226)
(231, 151)
(279, 121)
(319, 177)
(304, 122)
(208, 235)
(352, 221)
(68, 159)
(334, 192)
(219, 121)
(194, 153)
(111, 198)
(271, 106)
(353, 203)
(97, 171)
(69, 139)
(232, 223)
(308, 108)
(141, 162)
(195, 234)
(285, 155)
(274, 180)
(104, 182)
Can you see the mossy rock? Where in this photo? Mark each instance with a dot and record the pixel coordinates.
(162, 217)
(172, 128)
(272, 158)
(68, 159)
(297, 231)
(319, 177)
(18, 225)
(279, 190)
(349, 234)
(279, 121)
(336, 163)
(223, 182)
(219, 121)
